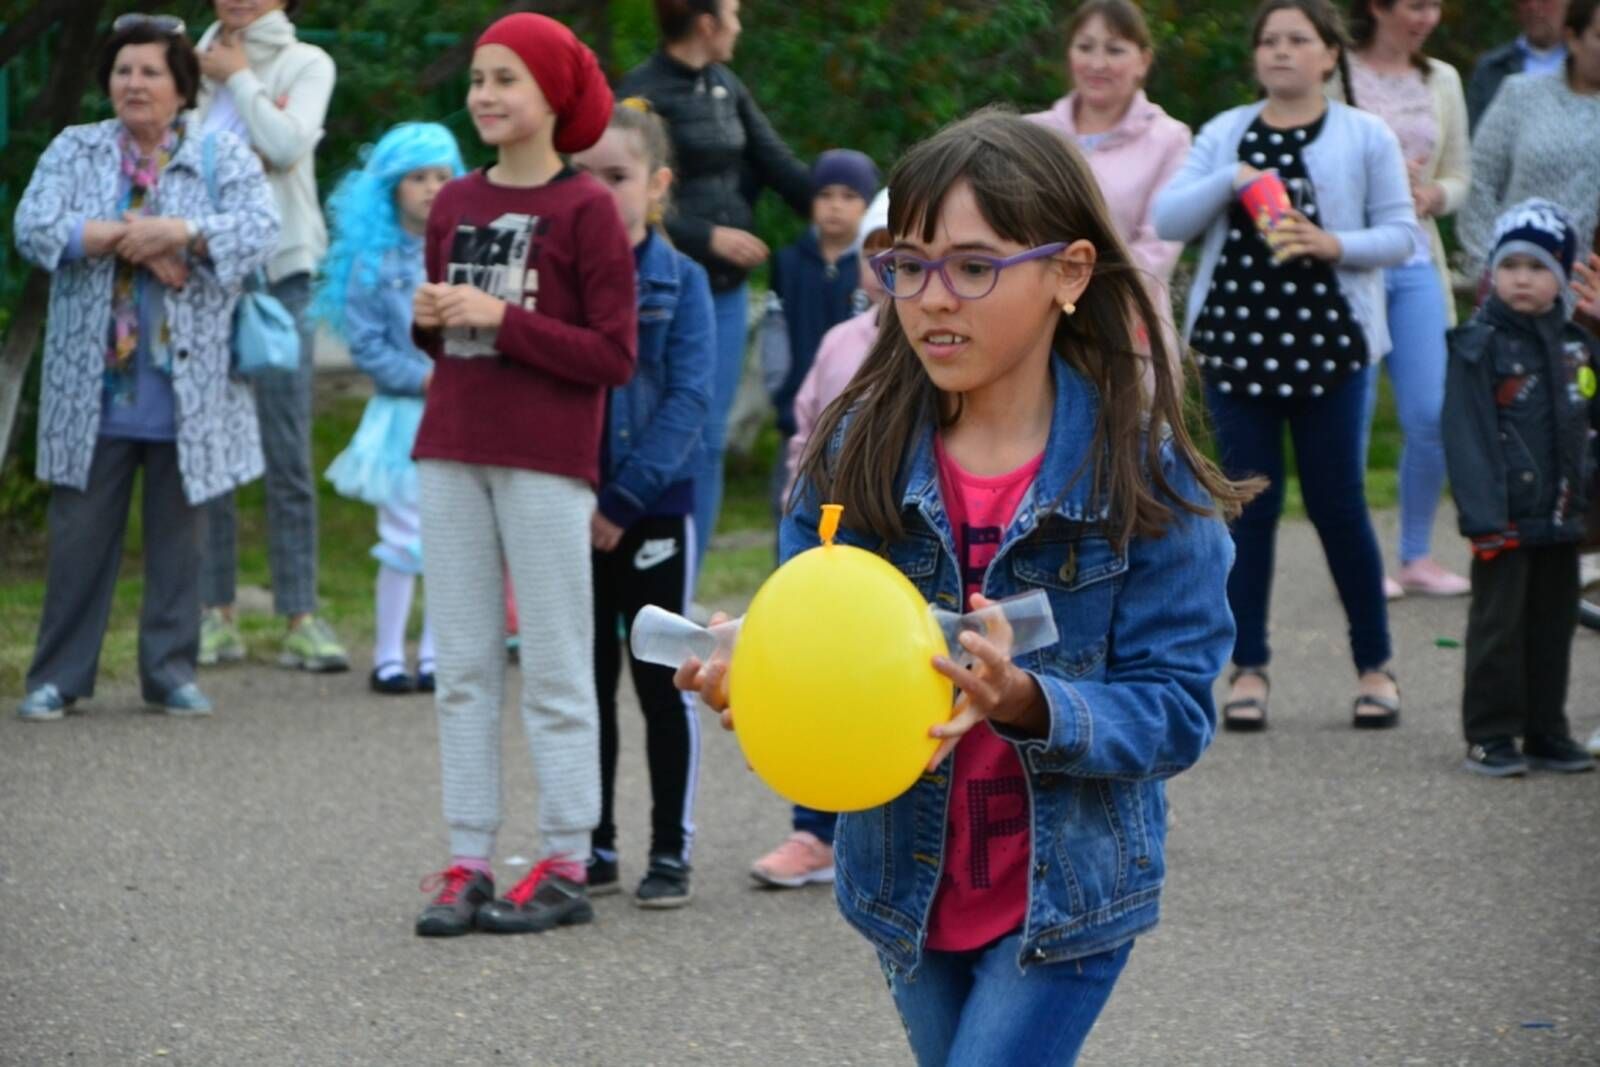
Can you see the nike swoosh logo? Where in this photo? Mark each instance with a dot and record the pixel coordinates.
(654, 553)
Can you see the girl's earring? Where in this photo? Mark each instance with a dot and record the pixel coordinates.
(1068, 307)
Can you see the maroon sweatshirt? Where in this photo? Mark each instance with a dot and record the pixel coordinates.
(532, 394)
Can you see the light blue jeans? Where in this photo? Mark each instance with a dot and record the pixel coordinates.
(732, 310)
(1416, 366)
(969, 1009)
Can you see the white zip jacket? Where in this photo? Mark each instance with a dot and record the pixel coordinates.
(282, 98)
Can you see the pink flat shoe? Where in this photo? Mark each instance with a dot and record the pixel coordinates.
(1424, 577)
(1392, 589)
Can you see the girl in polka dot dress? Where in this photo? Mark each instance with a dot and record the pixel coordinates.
(1284, 322)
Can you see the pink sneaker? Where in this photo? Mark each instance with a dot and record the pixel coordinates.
(1426, 578)
(800, 860)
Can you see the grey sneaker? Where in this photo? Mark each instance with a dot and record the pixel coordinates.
(665, 884)
(220, 639)
(312, 646)
(44, 704)
(184, 701)
(542, 901)
(460, 892)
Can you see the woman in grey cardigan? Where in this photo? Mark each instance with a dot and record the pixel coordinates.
(1285, 323)
(147, 268)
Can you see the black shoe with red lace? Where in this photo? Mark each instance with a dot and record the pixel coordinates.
(541, 901)
(462, 892)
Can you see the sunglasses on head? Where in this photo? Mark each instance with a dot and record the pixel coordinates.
(171, 25)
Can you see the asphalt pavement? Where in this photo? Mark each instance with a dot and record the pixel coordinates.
(241, 890)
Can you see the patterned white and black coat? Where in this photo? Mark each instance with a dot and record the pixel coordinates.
(219, 441)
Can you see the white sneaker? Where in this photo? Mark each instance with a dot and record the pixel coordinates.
(1594, 743)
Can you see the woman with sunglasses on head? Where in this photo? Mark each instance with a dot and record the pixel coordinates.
(1301, 202)
(146, 268)
(272, 90)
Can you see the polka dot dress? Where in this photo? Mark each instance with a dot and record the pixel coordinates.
(1276, 330)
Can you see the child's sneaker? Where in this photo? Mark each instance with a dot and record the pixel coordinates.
(1496, 758)
(665, 884)
(603, 879)
(1548, 752)
(800, 860)
(220, 639)
(542, 901)
(462, 891)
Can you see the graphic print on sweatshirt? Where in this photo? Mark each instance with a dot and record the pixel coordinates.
(497, 259)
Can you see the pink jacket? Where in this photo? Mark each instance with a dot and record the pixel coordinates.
(844, 348)
(1134, 163)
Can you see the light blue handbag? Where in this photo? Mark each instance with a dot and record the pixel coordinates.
(264, 335)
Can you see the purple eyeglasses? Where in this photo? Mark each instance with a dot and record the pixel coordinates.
(974, 276)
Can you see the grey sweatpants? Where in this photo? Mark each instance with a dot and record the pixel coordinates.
(86, 534)
(283, 407)
(472, 516)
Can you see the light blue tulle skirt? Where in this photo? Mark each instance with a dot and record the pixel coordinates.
(376, 467)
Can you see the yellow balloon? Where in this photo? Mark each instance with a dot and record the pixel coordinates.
(832, 684)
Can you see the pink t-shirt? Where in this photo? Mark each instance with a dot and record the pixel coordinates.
(983, 894)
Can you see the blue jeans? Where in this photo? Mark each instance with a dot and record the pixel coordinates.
(820, 823)
(1327, 435)
(971, 1009)
(733, 323)
(1418, 323)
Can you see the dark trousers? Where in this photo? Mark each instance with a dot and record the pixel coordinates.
(1327, 436)
(1519, 643)
(653, 564)
(86, 533)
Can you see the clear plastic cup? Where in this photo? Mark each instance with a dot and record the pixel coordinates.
(1019, 624)
(668, 639)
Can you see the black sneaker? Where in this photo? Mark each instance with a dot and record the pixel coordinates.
(603, 880)
(541, 901)
(462, 892)
(1496, 758)
(1547, 752)
(665, 884)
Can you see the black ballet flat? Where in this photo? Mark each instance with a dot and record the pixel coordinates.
(394, 685)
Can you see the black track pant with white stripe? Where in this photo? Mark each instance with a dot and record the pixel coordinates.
(653, 564)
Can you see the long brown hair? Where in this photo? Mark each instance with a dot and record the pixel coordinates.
(1032, 188)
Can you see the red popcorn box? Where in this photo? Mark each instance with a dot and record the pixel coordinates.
(1266, 198)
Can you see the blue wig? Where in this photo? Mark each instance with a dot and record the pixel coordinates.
(366, 221)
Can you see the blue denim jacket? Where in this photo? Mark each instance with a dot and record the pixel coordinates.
(653, 423)
(1144, 633)
(377, 322)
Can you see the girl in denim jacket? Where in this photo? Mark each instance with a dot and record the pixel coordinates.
(373, 268)
(643, 531)
(998, 439)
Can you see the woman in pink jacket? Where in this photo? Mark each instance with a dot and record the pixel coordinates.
(1133, 146)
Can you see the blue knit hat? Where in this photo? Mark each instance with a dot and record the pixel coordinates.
(847, 167)
(1537, 228)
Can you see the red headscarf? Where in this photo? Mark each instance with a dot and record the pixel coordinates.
(567, 73)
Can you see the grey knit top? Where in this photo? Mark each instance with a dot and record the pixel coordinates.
(1538, 138)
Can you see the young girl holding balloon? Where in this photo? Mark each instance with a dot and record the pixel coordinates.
(998, 440)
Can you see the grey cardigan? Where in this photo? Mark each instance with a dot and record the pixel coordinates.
(76, 180)
(1363, 193)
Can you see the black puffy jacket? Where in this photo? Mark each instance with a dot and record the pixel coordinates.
(1520, 407)
(726, 153)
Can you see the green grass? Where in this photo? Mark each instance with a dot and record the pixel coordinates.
(741, 561)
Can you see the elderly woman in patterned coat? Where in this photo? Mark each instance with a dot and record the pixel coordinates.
(147, 266)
